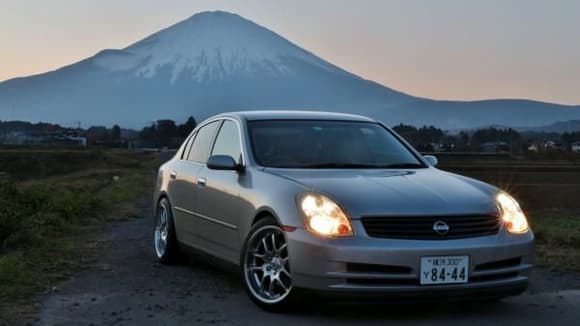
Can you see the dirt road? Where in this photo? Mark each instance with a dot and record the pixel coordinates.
(127, 287)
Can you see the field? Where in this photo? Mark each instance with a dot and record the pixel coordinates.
(50, 203)
(549, 192)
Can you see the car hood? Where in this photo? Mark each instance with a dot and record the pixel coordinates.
(395, 192)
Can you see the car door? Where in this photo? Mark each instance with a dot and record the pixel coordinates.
(217, 200)
(186, 183)
(177, 188)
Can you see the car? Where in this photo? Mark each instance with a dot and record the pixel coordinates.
(336, 204)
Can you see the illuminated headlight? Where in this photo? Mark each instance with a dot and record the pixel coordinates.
(511, 213)
(323, 216)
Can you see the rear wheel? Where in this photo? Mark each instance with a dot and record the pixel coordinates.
(164, 238)
(265, 267)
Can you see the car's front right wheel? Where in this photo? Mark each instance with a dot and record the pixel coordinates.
(265, 267)
(164, 239)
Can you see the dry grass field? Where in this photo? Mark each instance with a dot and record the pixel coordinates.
(51, 201)
(548, 190)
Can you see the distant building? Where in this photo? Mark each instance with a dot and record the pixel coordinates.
(51, 138)
(533, 148)
(576, 147)
(494, 147)
(553, 146)
(21, 138)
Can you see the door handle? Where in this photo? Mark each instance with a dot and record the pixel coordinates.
(173, 175)
(201, 181)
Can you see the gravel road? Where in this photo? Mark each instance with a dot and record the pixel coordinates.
(127, 287)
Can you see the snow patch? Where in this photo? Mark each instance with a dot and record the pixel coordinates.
(116, 60)
(211, 46)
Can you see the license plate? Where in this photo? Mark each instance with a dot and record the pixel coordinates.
(444, 270)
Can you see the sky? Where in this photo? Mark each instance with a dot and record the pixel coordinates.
(441, 49)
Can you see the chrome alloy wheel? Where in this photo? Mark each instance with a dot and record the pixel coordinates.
(161, 231)
(266, 268)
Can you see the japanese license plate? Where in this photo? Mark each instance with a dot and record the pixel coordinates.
(444, 270)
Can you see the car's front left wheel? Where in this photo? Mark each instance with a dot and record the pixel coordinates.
(265, 267)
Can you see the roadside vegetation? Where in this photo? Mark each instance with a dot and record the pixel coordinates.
(548, 190)
(50, 201)
(557, 239)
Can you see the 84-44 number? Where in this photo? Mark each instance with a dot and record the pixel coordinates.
(444, 270)
(442, 274)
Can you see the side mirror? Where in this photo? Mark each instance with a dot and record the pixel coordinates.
(222, 162)
(431, 159)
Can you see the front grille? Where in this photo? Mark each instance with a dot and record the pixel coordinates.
(422, 227)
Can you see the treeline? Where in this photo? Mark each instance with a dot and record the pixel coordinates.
(430, 138)
(165, 133)
(162, 133)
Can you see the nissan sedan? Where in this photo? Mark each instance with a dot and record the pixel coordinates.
(339, 204)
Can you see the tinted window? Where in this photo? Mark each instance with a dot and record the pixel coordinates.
(187, 147)
(328, 144)
(228, 141)
(201, 144)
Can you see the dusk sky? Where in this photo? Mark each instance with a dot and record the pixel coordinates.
(445, 49)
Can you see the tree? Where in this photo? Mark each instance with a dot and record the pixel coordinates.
(166, 130)
(508, 136)
(115, 134)
(421, 138)
(185, 129)
(149, 135)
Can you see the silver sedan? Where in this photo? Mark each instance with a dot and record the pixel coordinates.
(338, 204)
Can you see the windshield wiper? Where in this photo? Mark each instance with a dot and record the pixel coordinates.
(403, 166)
(330, 165)
(335, 165)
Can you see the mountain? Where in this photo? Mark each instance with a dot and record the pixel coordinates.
(216, 61)
(559, 127)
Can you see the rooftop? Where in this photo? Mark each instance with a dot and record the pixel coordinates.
(296, 115)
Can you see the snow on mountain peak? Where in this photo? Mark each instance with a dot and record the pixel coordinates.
(208, 46)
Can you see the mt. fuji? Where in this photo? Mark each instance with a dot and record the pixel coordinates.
(217, 61)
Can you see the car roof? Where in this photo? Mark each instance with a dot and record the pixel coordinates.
(294, 115)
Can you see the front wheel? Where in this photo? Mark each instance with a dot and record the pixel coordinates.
(164, 238)
(265, 267)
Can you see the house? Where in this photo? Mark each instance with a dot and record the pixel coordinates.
(21, 138)
(533, 148)
(494, 147)
(553, 146)
(576, 147)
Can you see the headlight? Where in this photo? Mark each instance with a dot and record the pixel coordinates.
(323, 216)
(511, 213)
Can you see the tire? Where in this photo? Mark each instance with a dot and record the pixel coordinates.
(164, 239)
(265, 267)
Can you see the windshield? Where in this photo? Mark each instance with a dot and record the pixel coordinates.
(328, 144)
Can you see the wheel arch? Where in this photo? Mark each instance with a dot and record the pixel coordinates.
(160, 196)
(265, 212)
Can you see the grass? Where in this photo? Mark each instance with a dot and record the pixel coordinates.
(548, 189)
(46, 219)
(557, 239)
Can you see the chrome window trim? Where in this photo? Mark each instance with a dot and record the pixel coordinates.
(207, 218)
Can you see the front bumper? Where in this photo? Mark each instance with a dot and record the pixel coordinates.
(499, 264)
